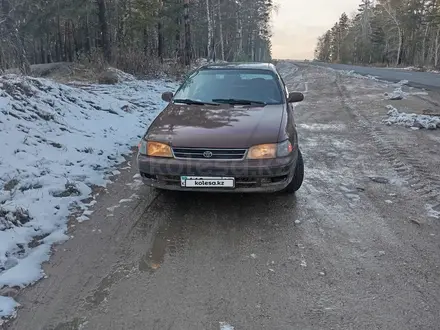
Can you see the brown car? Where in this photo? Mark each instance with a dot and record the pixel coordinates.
(228, 128)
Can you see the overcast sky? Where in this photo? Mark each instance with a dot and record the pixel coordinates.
(298, 24)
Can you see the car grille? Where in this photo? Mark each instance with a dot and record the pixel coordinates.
(209, 153)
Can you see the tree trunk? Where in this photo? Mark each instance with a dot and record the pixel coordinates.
(210, 31)
(188, 55)
(66, 41)
(239, 35)
(145, 41)
(60, 54)
(121, 29)
(425, 36)
(71, 40)
(87, 32)
(160, 41)
(436, 51)
(16, 41)
(105, 41)
(59, 50)
(399, 49)
(222, 43)
(42, 51)
(252, 46)
(177, 39)
(3, 65)
(160, 37)
(49, 49)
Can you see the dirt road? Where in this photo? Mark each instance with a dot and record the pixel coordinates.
(356, 248)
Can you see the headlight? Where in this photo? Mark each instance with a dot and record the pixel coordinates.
(262, 151)
(269, 151)
(155, 149)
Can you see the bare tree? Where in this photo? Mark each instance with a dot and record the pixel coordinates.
(210, 31)
(133, 35)
(102, 16)
(16, 42)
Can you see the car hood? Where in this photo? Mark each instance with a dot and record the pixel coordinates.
(221, 126)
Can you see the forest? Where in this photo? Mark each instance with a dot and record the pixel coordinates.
(385, 33)
(132, 35)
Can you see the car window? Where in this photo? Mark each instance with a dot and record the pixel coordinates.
(248, 84)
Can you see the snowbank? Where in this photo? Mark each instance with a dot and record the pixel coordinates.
(398, 93)
(122, 76)
(418, 69)
(56, 143)
(413, 120)
(7, 308)
(352, 73)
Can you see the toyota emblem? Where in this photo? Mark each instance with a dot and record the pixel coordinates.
(207, 154)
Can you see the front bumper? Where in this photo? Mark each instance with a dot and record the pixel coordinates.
(269, 175)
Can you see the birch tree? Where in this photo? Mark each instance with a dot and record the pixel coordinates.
(391, 32)
(12, 36)
(394, 17)
(134, 35)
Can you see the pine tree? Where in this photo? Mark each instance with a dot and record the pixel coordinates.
(343, 31)
(323, 49)
(133, 35)
(391, 32)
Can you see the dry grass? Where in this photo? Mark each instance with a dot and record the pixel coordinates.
(93, 69)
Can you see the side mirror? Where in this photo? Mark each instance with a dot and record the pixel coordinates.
(167, 96)
(295, 97)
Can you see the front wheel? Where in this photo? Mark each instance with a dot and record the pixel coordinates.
(298, 176)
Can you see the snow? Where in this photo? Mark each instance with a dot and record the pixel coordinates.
(226, 326)
(433, 211)
(322, 127)
(411, 120)
(27, 270)
(122, 76)
(7, 308)
(352, 73)
(418, 69)
(398, 93)
(58, 142)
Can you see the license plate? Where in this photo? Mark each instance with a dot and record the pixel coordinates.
(207, 182)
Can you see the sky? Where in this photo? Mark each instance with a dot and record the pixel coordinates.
(298, 24)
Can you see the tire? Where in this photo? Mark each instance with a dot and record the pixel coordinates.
(298, 177)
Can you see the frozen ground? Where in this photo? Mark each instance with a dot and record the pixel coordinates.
(396, 117)
(355, 247)
(57, 143)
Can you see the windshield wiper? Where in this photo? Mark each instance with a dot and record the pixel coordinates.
(239, 101)
(193, 102)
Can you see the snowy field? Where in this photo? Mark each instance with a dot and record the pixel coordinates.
(57, 142)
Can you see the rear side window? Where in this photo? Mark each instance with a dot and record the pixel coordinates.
(249, 84)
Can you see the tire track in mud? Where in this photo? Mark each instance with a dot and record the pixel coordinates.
(408, 167)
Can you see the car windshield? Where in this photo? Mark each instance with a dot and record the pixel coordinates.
(234, 86)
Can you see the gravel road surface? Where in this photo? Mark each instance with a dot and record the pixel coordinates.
(356, 248)
(428, 80)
